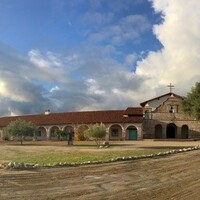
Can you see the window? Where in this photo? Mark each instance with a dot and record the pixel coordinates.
(172, 108)
(115, 133)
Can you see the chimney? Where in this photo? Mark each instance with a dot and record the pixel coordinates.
(47, 112)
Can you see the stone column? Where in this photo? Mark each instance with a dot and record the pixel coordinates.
(178, 133)
(48, 133)
(107, 135)
(123, 134)
(75, 131)
(139, 133)
(164, 132)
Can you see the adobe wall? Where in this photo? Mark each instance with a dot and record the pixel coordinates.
(149, 128)
(169, 112)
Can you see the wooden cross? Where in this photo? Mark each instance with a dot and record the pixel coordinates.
(170, 87)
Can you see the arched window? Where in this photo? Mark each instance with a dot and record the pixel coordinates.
(53, 132)
(131, 133)
(184, 132)
(171, 131)
(42, 133)
(158, 131)
(115, 132)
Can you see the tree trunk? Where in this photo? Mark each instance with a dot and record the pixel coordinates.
(22, 139)
(98, 143)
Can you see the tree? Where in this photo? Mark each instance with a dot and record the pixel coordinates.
(96, 132)
(191, 103)
(80, 133)
(59, 133)
(21, 129)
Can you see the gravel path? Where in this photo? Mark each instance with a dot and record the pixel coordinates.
(172, 177)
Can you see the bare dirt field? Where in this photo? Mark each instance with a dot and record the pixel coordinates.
(171, 177)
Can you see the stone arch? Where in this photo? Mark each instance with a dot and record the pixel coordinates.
(68, 130)
(115, 132)
(158, 131)
(131, 133)
(79, 133)
(42, 133)
(171, 131)
(52, 132)
(184, 132)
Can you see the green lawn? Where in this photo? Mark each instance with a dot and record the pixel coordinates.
(51, 155)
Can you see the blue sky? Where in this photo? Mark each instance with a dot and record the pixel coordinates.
(94, 54)
(57, 25)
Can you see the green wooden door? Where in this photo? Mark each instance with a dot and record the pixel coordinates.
(132, 134)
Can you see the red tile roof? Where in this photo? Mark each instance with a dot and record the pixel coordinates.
(133, 111)
(88, 117)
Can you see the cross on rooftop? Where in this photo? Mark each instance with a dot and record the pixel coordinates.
(170, 87)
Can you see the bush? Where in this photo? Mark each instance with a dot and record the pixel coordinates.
(96, 132)
(20, 129)
(6, 137)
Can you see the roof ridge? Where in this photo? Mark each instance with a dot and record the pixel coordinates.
(169, 93)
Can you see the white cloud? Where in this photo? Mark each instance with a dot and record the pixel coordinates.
(93, 87)
(131, 59)
(55, 88)
(6, 91)
(37, 59)
(128, 28)
(50, 67)
(91, 78)
(178, 61)
(20, 91)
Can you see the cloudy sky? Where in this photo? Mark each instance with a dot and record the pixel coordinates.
(74, 55)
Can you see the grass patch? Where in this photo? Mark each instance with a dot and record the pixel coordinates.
(51, 155)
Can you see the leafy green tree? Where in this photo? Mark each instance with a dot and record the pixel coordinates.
(191, 103)
(60, 134)
(96, 132)
(20, 129)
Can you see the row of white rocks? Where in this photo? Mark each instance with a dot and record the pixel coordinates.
(19, 165)
(28, 166)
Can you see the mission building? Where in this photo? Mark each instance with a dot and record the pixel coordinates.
(157, 118)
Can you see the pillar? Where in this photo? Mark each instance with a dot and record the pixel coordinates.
(123, 134)
(48, 133)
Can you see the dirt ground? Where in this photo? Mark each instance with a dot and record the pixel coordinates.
(172, 177)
